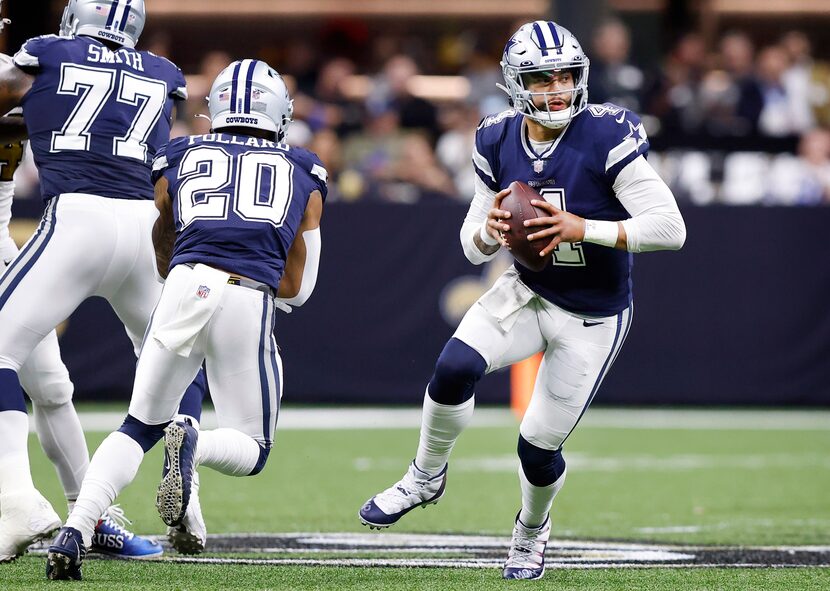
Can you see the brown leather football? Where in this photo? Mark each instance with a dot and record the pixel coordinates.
(517, 202)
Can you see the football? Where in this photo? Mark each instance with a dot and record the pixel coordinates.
(517, 202)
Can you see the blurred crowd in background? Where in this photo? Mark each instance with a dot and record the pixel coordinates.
(737, 124)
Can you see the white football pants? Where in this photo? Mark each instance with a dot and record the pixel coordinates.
(85, 245)
(236, 344)
(511, 322)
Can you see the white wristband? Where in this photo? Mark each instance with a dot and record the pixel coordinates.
(485, 235)
(600, 232)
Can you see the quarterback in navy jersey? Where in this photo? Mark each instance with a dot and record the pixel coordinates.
(603, 201)
(96, 111)
(239, 232)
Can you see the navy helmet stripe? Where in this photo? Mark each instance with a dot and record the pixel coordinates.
(113, 10)
(233, 86)
(249, 85)
(39, 241)
(540, 38)
(556, 40)
(123, 24)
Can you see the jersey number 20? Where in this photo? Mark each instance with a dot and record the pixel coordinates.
(262, 185)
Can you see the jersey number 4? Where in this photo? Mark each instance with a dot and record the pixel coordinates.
(261, 182)
(567, 254)
(94, 86)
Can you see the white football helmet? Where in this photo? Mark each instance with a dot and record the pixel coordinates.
(250, 93)
(544, 46)
(119, 21)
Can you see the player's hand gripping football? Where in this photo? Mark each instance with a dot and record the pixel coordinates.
(561, 226)
(495, 217)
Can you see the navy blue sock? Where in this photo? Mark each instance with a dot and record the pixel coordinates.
(11, 394)
(191, 404)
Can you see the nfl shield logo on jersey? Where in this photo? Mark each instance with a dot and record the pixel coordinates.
(538, 166)
(203, 291)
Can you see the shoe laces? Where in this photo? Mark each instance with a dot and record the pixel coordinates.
(116, 519)
(523, 547)
(399, 495)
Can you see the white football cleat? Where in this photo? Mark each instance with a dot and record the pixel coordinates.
(526, 559)
(415, 489)
(190, 536)
(27, 517)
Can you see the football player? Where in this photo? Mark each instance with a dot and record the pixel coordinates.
(96, 112)
(603, 202)
(238, 226)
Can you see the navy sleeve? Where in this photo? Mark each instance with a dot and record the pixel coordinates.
(484, 155)
(31, 54)
(316, 170)
(168, 157)
(622, 139)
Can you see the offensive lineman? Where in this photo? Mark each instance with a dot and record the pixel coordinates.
(604, 201)
(239, 225)
(96, 112)
(45, 379)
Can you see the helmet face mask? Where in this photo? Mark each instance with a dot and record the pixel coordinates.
(536, 53)
(249, 93)
(117, 21)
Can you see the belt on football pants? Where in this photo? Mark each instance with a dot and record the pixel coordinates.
(245, 282)
(250, 283)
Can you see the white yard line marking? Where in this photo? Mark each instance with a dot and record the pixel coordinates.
(607, 463)
(603, 418)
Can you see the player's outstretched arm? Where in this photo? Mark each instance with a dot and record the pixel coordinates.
(164, 230)
(300, 275)
(14, 83)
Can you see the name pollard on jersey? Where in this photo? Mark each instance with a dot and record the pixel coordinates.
(96, 117)
(576, 174)
(238, 201)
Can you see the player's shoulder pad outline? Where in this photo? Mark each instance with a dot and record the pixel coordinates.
(620, 132)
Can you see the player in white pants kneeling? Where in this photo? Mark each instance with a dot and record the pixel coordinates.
(240, 213)
(603, 201)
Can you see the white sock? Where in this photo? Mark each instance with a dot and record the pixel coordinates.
(15, 473)
(537, 500)
(441, 424)
(62, 439)
(227, 451)
(187, 419)
(113, 467)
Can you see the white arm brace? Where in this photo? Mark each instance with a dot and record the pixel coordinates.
(6, 194)
(474, 224)
(313, 245)
(655, 223)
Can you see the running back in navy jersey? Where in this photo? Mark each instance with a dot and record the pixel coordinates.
(96, 117)
(576, 175)
(238, 201)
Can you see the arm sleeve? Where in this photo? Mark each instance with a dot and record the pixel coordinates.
(319, 175)
(313, 246)
(29, 55)
(655, 222)
(160, 164)
(476, 218)
(178, 90)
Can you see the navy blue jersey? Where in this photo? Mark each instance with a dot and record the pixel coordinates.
(577, 175)
(238, 201)
(96, 117)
